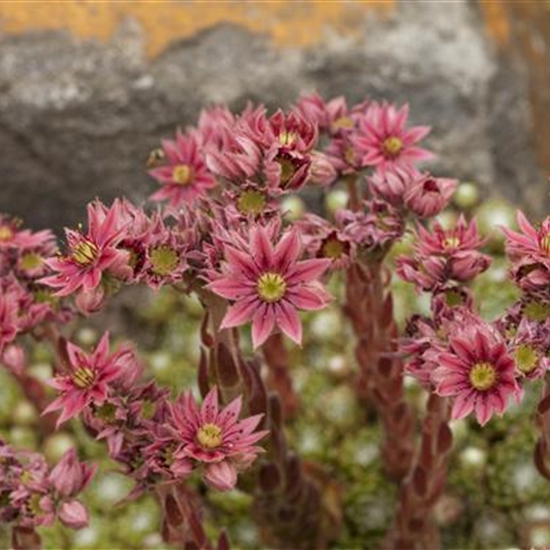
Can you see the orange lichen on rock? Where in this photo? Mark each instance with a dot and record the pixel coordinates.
(288, 22)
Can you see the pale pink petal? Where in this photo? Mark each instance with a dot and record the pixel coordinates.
(289, 321)
(262, 325)
(463, 405)
(307, 270)
(287, 251)
(240, 313)
(261, 248)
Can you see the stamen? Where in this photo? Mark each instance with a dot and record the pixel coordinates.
(271, 287)
(483, 376)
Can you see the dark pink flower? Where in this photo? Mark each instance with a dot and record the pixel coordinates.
(444, 255)
(391, 185)
(428, 195)
(185, 177)
(89, 255)
(269, 284)
(384, 141)
(374, 227)
(322, 239)
(215, 437)
(530, 254)
(89, 378)
(165, 254)
(477, 372)
(10, 321)
(529, 348)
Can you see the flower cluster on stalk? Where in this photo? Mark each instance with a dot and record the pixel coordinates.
(33, 495)
(219, 226)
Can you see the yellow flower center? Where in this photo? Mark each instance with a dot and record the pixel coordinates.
(451, 242)
(527, 358)
(536, 311)
(287, 138)
(84, 252)
(30, 260)
(182, 174)
(6, 233)
(83, 377)
(343, 122)
(332, 248)
(392, 146)
(163, 260)
(545, 244)
(45, 296)
(349, 155)
(454, 298)
(251, 202)
(288, 169)
(210, 436)
(483, 376)
(106, 412)
(271, 287)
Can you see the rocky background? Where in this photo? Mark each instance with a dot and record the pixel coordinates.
(87, 90)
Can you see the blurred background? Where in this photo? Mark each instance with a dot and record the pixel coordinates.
(87, 88)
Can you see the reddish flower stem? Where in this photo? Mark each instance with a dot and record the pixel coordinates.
(279, 379)
(414, 526)
(288, 504)
(182, 524)
(34, 392)
(541, 454)
(380, 381)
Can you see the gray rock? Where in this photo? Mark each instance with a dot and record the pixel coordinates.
(77, 120)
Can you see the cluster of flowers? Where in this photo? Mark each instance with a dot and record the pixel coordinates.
(224, 223)
(221, 229)
(155, 440)
(32, 495)
(25, 301)
(479, 365)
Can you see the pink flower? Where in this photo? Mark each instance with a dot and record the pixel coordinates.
(428, 195)
(268, 285)
(70, 476)
(333, 117)
(476, 372)
(89, 255)
(385, 143)
(12, 237)
(88, 380)
(215, 437)
(531, 242)
(530, 254)
(185, 177)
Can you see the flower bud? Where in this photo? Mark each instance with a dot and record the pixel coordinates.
(73, 514)
(221, 475)
(70, 476)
